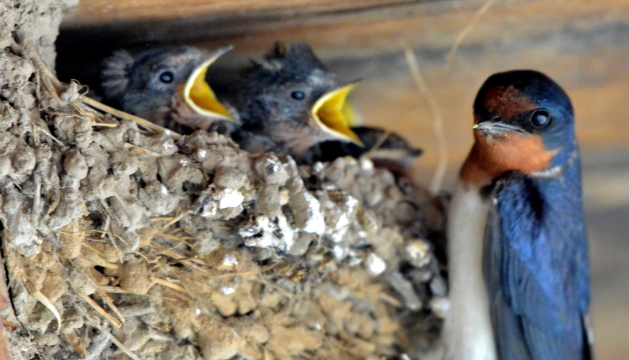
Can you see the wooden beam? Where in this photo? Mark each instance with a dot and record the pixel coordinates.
(362, 30)
(354, 28)
(424, 26)
(91, 12)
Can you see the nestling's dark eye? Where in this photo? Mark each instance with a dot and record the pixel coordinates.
(298, 95)
(167, 77)
(540, 118)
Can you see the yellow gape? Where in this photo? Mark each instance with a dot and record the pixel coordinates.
(199, 95)
(332, 113)
(353, 117)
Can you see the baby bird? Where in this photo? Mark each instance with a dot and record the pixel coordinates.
(517, 246)
(290, 102)
(166, 86)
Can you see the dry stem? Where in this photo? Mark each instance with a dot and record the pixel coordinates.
(437, 118)
(123, 115)
(125, 349)
(101, 311)
(170, 284)
(375, 148)
(462, 35)
(109, 302)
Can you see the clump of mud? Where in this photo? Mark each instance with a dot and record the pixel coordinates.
(122, 241)
(34, 21)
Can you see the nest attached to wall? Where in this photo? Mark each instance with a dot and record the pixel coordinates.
(120, 240)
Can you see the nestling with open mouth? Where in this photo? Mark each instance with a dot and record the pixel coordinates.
(166, 86)
(291, 102)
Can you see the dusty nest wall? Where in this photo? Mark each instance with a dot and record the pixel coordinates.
(118, 239)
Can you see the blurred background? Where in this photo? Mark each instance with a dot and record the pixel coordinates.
(582, 44)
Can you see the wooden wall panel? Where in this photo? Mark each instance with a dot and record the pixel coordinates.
(110, 11)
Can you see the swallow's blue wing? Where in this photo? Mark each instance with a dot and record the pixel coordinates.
(536, 271)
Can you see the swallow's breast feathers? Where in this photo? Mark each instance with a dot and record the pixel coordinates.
(536, 268)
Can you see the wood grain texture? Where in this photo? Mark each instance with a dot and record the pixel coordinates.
(350, 25)
(109, 11)
(357, 32)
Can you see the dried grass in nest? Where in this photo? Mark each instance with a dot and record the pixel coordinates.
(121, 239)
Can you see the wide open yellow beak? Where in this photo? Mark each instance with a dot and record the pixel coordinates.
(199, 95)
(332, 113)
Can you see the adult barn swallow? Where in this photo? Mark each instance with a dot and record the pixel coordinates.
(385, 148)
(518, 252)
(292, 102)
(166, 86)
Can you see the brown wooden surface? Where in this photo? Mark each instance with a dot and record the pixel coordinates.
(355, 27)
(582, 44)
(108, 11)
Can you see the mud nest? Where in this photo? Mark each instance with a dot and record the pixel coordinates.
(119, 240)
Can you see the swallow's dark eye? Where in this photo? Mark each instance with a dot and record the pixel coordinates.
(167, 77)
(298, 95)
(540, 118)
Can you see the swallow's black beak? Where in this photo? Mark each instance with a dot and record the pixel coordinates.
(497, 128)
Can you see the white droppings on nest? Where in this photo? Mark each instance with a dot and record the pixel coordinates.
(315, 223)
(340, 252)
(417, 252)
(318, 167)
(339, 211)
(227, 290)
(366, 165)
(375, 265)
(206, 206)
(265, 232)
(228, 198)
(213, 202)
(230, 261)
(342, 223)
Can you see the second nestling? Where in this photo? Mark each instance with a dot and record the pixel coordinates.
(290, 104)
